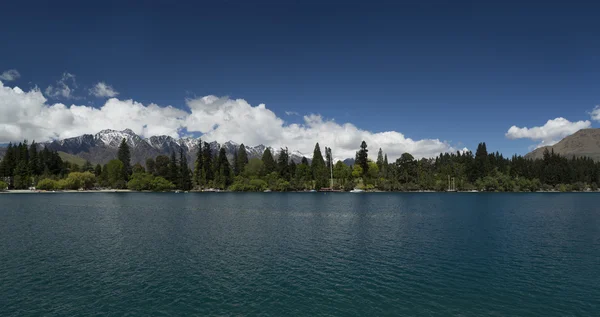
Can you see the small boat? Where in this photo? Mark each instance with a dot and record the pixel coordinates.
(267, 191)
(176, 192)
(356, 190)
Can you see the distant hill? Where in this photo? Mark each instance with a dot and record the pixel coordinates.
(585, 142)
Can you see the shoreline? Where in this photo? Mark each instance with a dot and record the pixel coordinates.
(28, 191)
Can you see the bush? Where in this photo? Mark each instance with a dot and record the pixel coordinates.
(159, 184)
(47, 184)
(140, 181)
(3, 185)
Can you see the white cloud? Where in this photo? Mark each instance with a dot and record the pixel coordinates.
(595, 113)
(102, 90)
(27, 115)
(223, 119)
(550, 133)
(291, 113)
(10, 75)
(64, 87)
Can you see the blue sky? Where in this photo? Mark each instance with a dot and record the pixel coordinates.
(460, 72)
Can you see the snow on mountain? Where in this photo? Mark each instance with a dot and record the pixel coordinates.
(103, 146)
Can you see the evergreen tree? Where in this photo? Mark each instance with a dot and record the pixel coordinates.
(283, 166)
(173, 169)
(150, 166)
(242, 159)
(481, 162)
(380, 162)
(269, 162)
(319, 170)
(362, 158)
(199, 176)
(384, 170)
(224, 176)
(185, 183)
(124, 155)
(98, 170)
(34, 161)
(162, 166)
(87, 167)
(207, 163)
(305, 161)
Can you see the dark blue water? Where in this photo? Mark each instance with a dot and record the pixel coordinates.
(300, 254)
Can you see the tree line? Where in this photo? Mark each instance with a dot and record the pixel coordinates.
(24, 166)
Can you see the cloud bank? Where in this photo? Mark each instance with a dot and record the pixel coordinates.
(102, 90)
(550, 133)
(10, 75)
(27, 115)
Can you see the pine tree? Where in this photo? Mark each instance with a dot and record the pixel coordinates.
(150, 166)
(87, 167)
(207, 163)
(199, 179)
(98, 170)
(380, 160)
(269, 162)
(173, 169)
(224, 176)
(304, 161)
(34, 162)
(319, 170)
(124, 155)
(242, 159)
(362, 158)
(283, 166)
(185, 183)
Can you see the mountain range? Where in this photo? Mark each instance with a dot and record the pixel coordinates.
(102, 147)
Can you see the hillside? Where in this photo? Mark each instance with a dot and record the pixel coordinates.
(585, 142)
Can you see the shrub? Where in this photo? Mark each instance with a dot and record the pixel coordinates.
(47, 184)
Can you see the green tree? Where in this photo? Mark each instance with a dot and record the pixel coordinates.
(379, 161)
(47, 184)
(319, 170)
(3, 185)
(269, 162)
(207, 162)
(224, 175)
(283, 166)
(173, 169)
(241, 159)
(150, 166)
(138, 168)
(98, 170)
(254, 169)
(116, 171)
(162, 166)
(160, 184)
(87, 167)
(199, 176)
(124, 155)
(185, 181)
(362, 158)
(140, 181)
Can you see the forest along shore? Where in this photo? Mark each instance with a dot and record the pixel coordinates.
(24, 167)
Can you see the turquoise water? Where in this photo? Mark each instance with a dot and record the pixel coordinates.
(300, 254)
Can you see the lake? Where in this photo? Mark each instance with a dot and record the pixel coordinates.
(300, 254)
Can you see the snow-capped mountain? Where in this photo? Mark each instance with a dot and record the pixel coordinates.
(103, 146)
